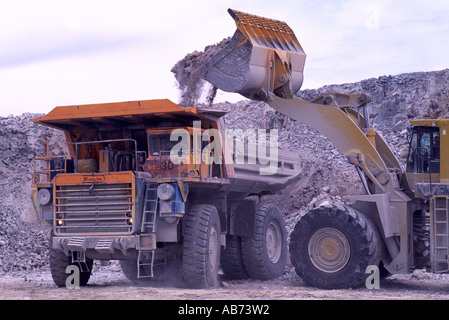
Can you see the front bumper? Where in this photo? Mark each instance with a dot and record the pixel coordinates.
(109, 245)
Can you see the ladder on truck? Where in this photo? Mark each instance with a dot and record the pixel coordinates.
(440, 234)
(148, 226)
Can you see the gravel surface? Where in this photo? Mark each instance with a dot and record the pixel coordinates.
(108, 283)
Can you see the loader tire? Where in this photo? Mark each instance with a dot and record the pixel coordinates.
(231, 259)
(265, 252)
(201, 247)
(331, 247)
(58, 265)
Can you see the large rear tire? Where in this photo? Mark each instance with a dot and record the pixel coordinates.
(231, 259)
(331, 247)
(265, 252)
(201, 247)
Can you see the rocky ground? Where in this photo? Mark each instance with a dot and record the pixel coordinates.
(325, 176)
(109, 283)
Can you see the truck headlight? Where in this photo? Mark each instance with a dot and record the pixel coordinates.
(43, 196)
(165, 191)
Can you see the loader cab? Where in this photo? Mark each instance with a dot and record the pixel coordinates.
(427, 168)
(424, 150)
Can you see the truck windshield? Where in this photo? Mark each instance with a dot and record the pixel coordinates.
(160, 144)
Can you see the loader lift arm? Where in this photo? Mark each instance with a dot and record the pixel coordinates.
(358, 144)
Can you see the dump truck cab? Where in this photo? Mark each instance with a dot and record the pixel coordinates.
(179, 153)
(106, 139)
(146, 183)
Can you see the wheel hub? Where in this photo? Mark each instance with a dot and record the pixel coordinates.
(274, 242)
(329, 250)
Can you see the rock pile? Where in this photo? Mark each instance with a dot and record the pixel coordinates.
(21, 140)
(398, 99)
(23, 243)
(189, 74)
(23, 246)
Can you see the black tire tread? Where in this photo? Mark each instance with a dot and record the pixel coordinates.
(254, 253)
(58, 265)
(365, 233)
(195, 247)
(231, 259)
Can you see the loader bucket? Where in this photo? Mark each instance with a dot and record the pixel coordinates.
(263, 56)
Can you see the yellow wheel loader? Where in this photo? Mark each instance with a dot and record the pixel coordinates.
(401, 223)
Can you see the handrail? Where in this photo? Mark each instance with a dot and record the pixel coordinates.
(102, 141)
(47, 171)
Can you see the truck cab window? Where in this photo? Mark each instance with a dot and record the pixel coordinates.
(160, 144)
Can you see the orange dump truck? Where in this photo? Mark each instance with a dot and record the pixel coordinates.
(154, 184)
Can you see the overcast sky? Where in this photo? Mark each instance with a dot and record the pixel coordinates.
(60, 52)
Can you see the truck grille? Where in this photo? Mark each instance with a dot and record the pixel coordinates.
(104, 208)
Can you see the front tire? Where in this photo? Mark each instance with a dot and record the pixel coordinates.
(58, 266)
(201, 247)
(331, 247)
